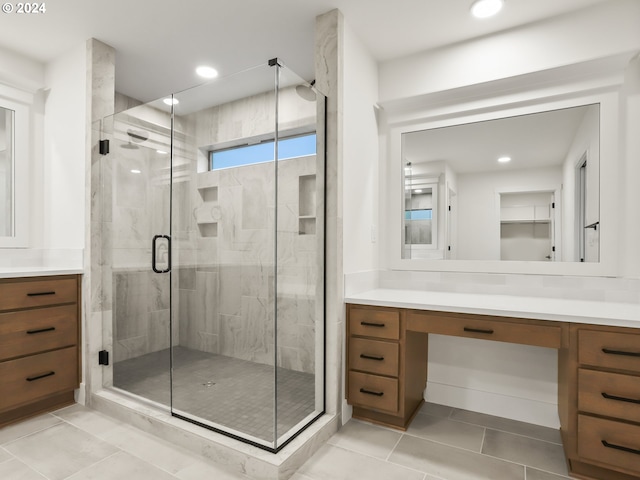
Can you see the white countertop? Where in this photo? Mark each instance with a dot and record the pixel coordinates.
(578, 311)
(17, 272)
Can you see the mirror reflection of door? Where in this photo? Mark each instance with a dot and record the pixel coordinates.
(527, 226)
(452, 224)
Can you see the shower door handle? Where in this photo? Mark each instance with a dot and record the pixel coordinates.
(154, 250)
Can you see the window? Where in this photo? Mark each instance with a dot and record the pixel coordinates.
(290, 147)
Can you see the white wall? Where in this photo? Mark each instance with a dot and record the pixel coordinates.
(607, 28)
(502, 379)
(63, 163)
(360, 175)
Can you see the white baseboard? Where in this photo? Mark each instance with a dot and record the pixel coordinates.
(522, 409)
(347, 412)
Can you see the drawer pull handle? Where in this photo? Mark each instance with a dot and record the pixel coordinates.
(620, 447)
(369, 392)
(620, 399)
(478, 330)
(620, 352)
(39, 294)
(370, 324)
(41, 330)
(371, 357)
(38, 377)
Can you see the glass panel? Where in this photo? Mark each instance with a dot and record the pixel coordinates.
(136, 191)
(300, 257)
(202, 339)
(223, 232)
(6, 173)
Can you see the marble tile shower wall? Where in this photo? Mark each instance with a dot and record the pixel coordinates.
(223, 241)
(229, 297)
(139, 209)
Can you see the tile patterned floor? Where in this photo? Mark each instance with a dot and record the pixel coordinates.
(443, 443)
(227, 391)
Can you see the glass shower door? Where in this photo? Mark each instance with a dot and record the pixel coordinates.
(223, 234)
(136, 192)
(213, 254)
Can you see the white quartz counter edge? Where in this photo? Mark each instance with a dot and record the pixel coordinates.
(19, 272)
(577, 311)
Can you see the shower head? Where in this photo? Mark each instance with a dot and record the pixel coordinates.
(135, 136)
(307, 92)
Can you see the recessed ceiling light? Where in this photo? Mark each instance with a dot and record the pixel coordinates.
(419, 190)
(504, 159)
(135, 171)
(162, 152)
(206, 72)
(170, 101)
(486, 8)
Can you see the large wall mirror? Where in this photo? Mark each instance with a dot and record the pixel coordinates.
(518, 188)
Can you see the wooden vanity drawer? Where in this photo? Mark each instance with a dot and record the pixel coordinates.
(30, 378)
(374, 356)
(369, 322)
(37, 293)
(487, 329)
(373, 391)
(609, 349)
(609, 442)
(33, 331)
(609, 394)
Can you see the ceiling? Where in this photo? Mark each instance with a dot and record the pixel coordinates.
(160, 42)
(532, 141)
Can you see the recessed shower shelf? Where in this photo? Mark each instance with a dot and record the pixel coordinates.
(209, 194)
(208, 229)
(307, 226)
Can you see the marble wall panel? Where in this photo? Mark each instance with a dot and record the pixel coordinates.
(185, 315)
(158, 291)
(131, 292)
(230, 291)
(130, 188)
(159, 331)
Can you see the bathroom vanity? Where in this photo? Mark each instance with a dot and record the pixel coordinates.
(39, 344)
(598, 365)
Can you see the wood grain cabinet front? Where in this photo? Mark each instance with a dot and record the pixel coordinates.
(39, 348)
(387, 366)
(605, 424)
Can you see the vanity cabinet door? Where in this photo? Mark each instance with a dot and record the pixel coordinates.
(39, 347)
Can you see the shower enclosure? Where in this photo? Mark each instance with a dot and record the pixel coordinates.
(213, 252)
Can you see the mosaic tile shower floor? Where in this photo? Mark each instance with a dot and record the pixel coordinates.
(234, 393)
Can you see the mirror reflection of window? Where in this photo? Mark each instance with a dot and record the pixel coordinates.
(6, 172)
(419, 217)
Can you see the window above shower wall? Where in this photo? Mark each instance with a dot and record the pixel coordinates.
(262, 151)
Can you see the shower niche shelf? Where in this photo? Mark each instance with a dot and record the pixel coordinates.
(208, 229)
(208, 213)
(209, 194)
(307, 205)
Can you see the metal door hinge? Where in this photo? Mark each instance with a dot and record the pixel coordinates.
(103, 357)
(104, 147)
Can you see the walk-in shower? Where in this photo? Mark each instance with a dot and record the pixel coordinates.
(212, 236)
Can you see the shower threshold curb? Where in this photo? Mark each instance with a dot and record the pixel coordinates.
(246, 459)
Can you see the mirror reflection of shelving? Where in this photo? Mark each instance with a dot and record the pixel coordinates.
(307, 205)
(526, 226)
